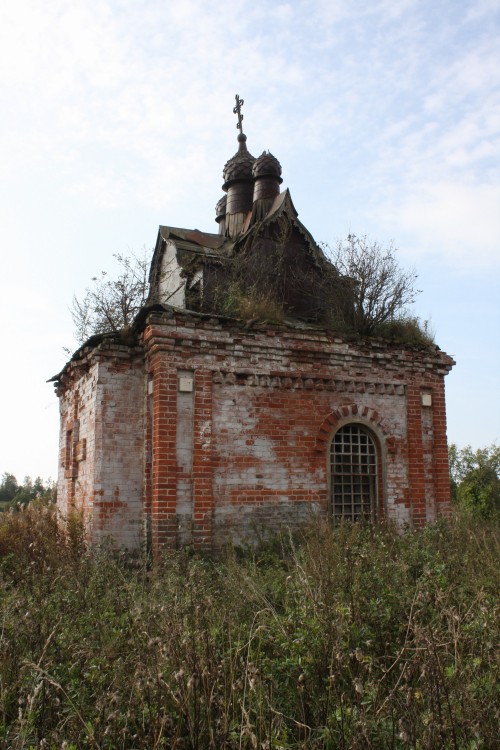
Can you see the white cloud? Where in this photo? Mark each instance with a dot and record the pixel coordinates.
(480, 9)
(457, 222)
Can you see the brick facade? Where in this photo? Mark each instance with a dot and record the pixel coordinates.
(209, 432)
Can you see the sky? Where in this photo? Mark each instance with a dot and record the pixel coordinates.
(117, 117)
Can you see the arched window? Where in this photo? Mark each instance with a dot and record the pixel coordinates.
(354, 469)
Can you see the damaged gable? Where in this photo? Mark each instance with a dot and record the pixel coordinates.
(177, 269)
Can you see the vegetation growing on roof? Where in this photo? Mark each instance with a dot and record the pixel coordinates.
(111, 304)
(356, 288)
(382, 289)
(273, 277)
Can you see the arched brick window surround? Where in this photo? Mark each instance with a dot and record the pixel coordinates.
(378, 430)
(352, 413)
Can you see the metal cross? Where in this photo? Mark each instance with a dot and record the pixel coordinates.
(237, 111)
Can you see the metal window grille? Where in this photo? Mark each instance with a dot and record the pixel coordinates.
(353, 461)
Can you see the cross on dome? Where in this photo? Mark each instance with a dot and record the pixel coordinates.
(237, 111)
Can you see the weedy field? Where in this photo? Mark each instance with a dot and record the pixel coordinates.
(354, 637)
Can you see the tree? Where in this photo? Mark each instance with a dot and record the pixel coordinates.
(475, 479)
(8, 487)
(382, 289)
(112, 304)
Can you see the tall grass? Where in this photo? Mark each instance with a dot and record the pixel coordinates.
(347, 638)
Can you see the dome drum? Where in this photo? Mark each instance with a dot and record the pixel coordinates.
(266, 188)
(239, 197)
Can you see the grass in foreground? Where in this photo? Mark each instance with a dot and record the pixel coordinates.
(351, 638)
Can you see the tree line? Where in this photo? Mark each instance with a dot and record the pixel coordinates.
(13, 494)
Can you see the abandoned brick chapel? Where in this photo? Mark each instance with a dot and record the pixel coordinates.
(235, 405)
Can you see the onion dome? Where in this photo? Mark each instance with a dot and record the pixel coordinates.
(267, 165)
(266, 172)
(220, 208)
(220, 214)
(239, 167)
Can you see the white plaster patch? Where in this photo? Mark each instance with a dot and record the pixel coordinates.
(205, 433)
(172, 285)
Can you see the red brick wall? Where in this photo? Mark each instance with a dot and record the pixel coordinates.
(266, 404)
(208, 432)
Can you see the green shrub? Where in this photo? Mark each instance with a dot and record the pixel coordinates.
(408, 330)
(475, 480)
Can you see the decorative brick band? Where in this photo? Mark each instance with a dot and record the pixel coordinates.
(352, 411)
(299, 382)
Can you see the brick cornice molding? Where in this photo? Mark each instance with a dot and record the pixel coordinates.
(299, 381)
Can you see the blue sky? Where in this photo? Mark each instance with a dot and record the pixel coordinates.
(117, 117)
